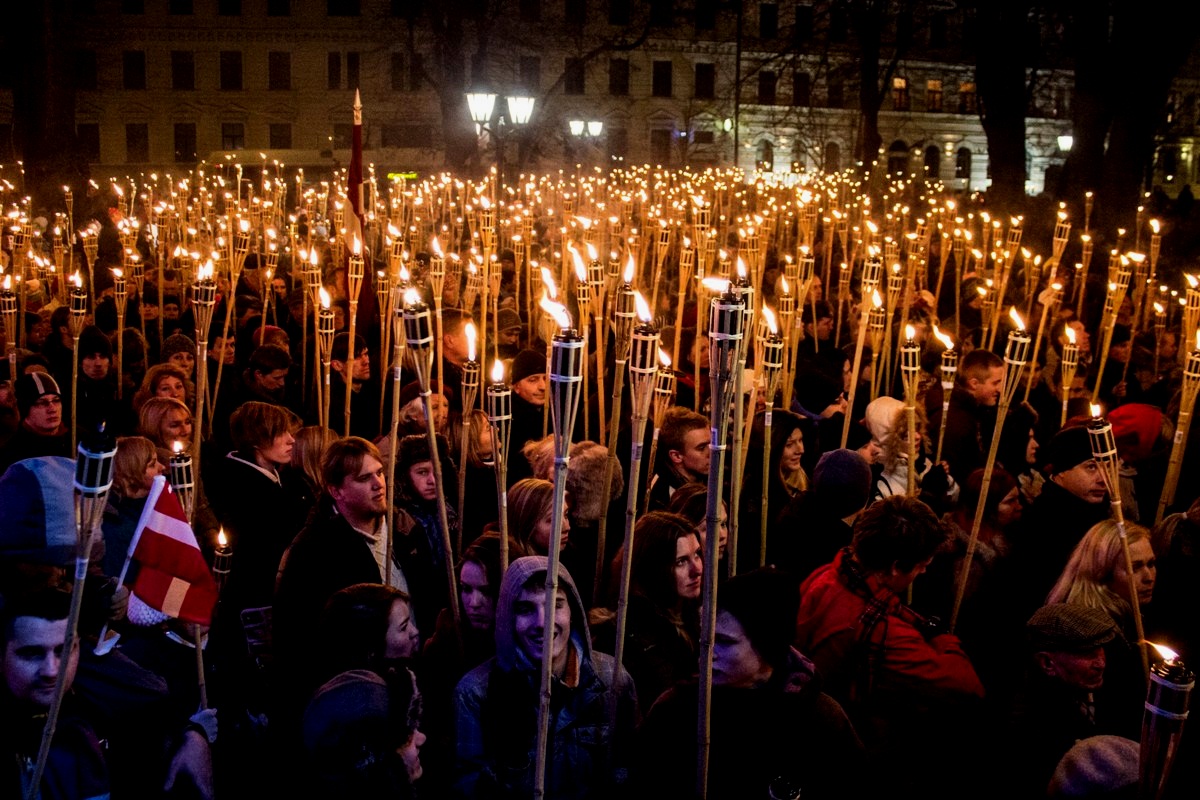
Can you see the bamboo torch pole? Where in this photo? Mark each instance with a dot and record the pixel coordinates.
(725, 326)
(470, 388)
(566, 386)
(75, 322)
(325, 349)
(1016, 353)
(1047, 310)
(499, 412)
(771, 366)
(664, 390)
(910, 372)
(395, 320)
(1187, 404)
(949, 371)
(1104, 453)
(354, 280)
(872, 271)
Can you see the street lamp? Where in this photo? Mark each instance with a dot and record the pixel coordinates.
(1065, 142)
(518, 110)
(585, 129)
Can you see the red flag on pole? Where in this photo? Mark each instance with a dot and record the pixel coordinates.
(172, 575)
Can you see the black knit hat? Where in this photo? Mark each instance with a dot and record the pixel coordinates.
(92, 341)
(32, 387)
(765, 602)
(526, 363)
(1069, 448)
(842, 482)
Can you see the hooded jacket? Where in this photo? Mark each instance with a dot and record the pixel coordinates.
(496, 710)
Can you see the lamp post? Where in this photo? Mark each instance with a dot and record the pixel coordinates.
(518, 109)
(586, 131)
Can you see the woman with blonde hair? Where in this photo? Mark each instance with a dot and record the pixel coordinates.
(530, 516)
(1096, 575)
(165, 380)
(165, 421)
(303, 480)
(135, 466)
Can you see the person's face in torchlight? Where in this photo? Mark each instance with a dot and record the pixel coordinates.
(1010, 509)
(222, 348)
(402, 638)
(95, 366)
(735, 661)
(45, 415)
(532, 389)
(272, 381)
(1084, 671)
(529, 623)
(871, 452)
(421, 476)
(1031, 449)
(1145, 572)
(184, 360)
(688, 567)
(793, 449)
(362, 494)
(154, 468)
(362, 367)
(33, 657)
(177, 427)
(694, 456)
(722, 530)
(479, 607)
(171, 311)
(172, 387)
(987, 391)
(543, 529)
(510, 336)
(280, 450)
(1084, 480)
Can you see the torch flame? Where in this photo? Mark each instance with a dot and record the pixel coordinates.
(548, 280)
(556, 310)
(1095, 407)
(117, 272)
(1191, 279)
(663, 359)
(411, 296)
(314, 257)
(1164, 651)
(580, 267)
(1016, 318)
(393, 231)
(221, 540)
(910, 332)
(1155, 225)
(769, 317)
(436, 247)
(497, 371)
(784, 287)
(630, 267)
(876, 299)
(716, 285)
(944, 338)
(177, 447)
(1198, 338)
(325, 298)
(643, 308)
(472, 335)
(1070, 335)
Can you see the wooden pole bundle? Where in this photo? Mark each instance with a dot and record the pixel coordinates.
(498, 402)
(872, 271)
(949, 370)
(1187, 404)
(75, 321)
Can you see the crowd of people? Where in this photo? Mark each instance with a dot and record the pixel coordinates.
(335, 663)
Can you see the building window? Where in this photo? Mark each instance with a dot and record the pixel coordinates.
(185, 142)
(900, 94)
(833, 157)
(662, 13)
(531, 73)
(85, 69)
(398, 72)
(343, 8)
(937, 30)
(966, 98)
(575, 12)
(233, 135)
(933, 161)
(706, 15)
(835, 92)
(408, 136)
(333, 71)
(137, 142)
(279, 135)
(768, 20)
(352, 72)
(767, 81)
(962, 164)
(706, 81)
(618, 77)
(766, 156)
(279, 70)
(86, 133)
(897, 158)
(133, 69)
(839, 22)
(574, 79)
(279, 8)
(660, 146)
(933, 95)
(530, 10)
(618, 12)
(703, 137)
(229, 8)
(133, 7)
(180, 7)
(343, 136)
(801, 89)
(618, 143)
(802, 31)
(660, 84)
(415, 72)
(231, 70)
(183, 70)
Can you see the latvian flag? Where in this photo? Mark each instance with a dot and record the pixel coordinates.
(172, 575)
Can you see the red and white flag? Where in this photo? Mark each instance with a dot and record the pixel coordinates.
(172, 575)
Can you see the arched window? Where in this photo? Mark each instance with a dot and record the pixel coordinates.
(897, 158)
(962, 163)
(766, 156)
(833, 157)
(933, 161)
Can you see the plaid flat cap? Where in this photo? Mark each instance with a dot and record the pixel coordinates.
(1068, 628)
